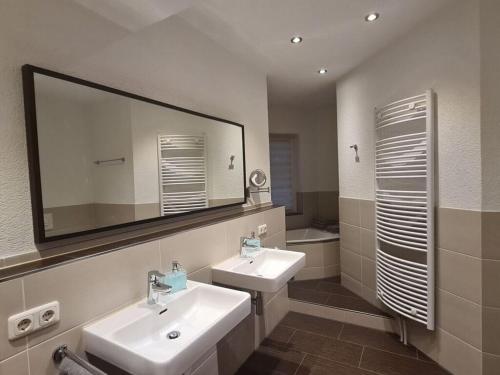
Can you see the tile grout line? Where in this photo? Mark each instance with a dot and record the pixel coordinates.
(291, 336)
(340, 331)
(361, 356)
(300, 364)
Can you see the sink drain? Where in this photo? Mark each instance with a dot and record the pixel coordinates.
(173, 335)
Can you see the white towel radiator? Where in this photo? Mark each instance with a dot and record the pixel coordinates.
(182, 173)
(404, 197)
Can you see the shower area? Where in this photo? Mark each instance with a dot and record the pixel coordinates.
(304, 178)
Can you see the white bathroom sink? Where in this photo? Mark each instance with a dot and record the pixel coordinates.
(269, 271)
(135, 338)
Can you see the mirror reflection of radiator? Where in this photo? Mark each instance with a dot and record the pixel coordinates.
(182, 173)
(404, 178)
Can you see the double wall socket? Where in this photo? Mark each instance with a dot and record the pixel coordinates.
(32, 320)
(262, 229)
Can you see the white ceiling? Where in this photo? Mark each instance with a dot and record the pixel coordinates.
(259, 31)
(334, 31)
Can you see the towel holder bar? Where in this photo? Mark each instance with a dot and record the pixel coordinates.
(62, 351)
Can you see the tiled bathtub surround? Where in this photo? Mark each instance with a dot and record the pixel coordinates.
(322, 259)
(467, 283)
(314, 204)
(91, 288)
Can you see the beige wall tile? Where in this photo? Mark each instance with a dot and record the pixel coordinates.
(195, 249)
(491, 235)
(331, 253)
(459, 317)
(367, 243)
(203, 275)
(491, 283)
(274, 218)
(16, 365)
(371, 321)
(453, 354)
(314, 256)
(367, 214)
(88, 288)
(350, 283)
(491, 330)
(368, 273)
(276, 309)
(320, 311)
(459, 274)
(350, 237)
(328, 205)
(349, 211)
(459, 230)
(491, 364)
(276, 240)
(41, 355)
(11, 293)
(350, 264)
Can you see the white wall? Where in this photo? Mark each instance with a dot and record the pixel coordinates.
(442, 54)
(65, 157)
(222, 140)
(109, 125)
(490, 104)
(317, 132)
(168, 61)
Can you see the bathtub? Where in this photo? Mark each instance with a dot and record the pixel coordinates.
(322, 252)
(309, 235)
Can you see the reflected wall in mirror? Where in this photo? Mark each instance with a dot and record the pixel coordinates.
(102, 158)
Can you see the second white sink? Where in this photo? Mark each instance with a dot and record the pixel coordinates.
(269, 271)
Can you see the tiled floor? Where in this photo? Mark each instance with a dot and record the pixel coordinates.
(330, 292)
(306, 345)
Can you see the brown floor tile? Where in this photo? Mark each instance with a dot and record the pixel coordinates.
(385, 363)
(312, 324)
(326, 347)
(307, 295)
(353, 303)
(266, 361)
(376, 339)
(279, 337)
(320, 366)
(335, 288)
(306, 284)
(333, 279)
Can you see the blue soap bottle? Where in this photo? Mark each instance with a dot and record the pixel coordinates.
(177, 277)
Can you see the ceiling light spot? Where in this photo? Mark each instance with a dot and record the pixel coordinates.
(296, 39)
(372, 17)
(322, 71)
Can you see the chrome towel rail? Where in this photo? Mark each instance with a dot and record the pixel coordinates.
(62, 352)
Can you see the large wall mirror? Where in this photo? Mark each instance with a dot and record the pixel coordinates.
(101, 158)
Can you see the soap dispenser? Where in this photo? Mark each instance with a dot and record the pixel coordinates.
(177, 277)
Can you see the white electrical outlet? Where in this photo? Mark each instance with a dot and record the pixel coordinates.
(262, 229)
(32, 320)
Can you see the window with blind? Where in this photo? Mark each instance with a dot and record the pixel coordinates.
(284, 171)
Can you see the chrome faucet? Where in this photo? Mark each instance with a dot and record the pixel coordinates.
(155, 287)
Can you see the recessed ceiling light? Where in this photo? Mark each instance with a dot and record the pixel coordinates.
(322, 71)
(372, 17)
(296, 39)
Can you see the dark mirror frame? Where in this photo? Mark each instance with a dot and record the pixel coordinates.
(28, 75)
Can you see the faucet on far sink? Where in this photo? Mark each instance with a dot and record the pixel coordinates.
(155, 287)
